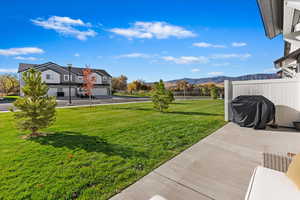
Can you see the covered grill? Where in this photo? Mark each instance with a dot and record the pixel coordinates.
(252, 111)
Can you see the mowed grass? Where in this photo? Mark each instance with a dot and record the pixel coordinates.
(94, 153)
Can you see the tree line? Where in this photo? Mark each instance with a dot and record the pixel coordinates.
(180, 88)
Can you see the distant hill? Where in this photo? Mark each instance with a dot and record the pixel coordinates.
(220, 79)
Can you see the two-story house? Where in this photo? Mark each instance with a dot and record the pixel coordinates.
(58, 80)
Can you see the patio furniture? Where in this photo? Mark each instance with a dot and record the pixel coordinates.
(157, 197)
(270, 181)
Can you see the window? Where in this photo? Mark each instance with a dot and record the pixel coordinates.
(48, 76)
(66, 77)
(104, 78)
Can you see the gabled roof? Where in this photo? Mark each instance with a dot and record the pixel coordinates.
(271, 12)
(60, 69)
(25, 66)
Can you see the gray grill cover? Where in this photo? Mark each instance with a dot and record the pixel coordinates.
(252, 111)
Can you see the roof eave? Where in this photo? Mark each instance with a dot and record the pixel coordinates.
(271, 12)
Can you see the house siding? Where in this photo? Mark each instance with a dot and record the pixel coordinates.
(54, 76)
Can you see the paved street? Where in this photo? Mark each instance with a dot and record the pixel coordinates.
(81, 102)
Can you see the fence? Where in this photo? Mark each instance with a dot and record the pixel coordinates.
(284, 93)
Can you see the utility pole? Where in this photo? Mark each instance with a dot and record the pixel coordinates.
(70, 96)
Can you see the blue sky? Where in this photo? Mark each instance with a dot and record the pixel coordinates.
(148, 40)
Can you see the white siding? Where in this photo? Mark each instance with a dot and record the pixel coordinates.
(54, 76)
(98, 78)
(79, 79)
(99, 91)
(284, 93)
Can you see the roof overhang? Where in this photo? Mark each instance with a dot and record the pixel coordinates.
(272, 16)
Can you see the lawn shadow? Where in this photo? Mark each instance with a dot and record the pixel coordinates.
(171, 112)
(179, 103)
(73, 140)
(134, 108)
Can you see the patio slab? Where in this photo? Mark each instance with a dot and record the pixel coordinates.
(217, 167)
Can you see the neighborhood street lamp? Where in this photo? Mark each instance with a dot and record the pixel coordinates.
(70, 97)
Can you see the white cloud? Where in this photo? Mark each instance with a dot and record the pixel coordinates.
(186, 59)
(239, 44)
(158, 30)
(220, 64)
(227, 56)
(66, 26)
(134, 55)
(76, 54)
(26, 58)
(215, 73)
(21, 51)
(206, 45)
(3, 70)
(195, 70)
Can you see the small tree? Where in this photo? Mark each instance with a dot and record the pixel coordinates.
(161, 97)
(8, 84)
(37, 110)
(88, 82)
(119, 83)
(214, 92)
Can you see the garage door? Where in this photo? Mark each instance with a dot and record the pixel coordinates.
(99, 91)
(52, 92)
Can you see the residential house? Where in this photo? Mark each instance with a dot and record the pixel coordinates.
(57, 78)
(283, 17)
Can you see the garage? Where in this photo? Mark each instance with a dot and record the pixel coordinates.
(52, 92)
(100, 91)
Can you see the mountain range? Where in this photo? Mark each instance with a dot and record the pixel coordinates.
(220, 79)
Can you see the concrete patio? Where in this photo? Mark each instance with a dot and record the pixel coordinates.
(218, 167)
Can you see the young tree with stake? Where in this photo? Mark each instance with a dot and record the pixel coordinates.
(36, 109)
(161, 97)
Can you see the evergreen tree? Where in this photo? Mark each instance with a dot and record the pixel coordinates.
(161, 97)
(37, 110)
(214, 92)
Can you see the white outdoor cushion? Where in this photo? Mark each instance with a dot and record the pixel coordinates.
(157, 197)
(268, 184)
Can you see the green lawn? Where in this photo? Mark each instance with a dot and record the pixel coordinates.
(93, 153)
(123, 94)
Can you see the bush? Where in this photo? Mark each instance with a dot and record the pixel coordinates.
(161, 97)
(214, 92)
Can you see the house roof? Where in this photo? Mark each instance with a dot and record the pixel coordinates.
(293, 55)
(58, 68)
(271, 12)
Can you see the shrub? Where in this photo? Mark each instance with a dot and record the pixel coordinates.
(214, 92)
(161, 97)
